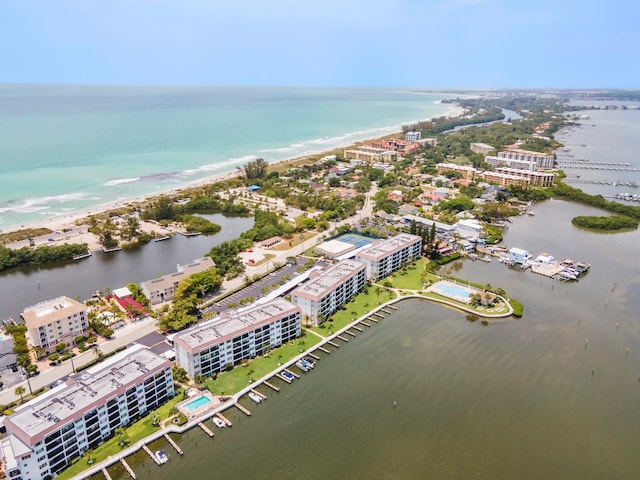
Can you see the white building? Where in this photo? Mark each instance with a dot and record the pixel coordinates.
(495, 162)
(542, 160)
(469, 228)
(538, 179)
(164, 288)
(54, 321)
(481, 148)
(236, 335)
(324, 294)
(390, 255)
(45, 434)
(412, 136)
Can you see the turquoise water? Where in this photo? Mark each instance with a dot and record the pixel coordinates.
(69, 148)
(197, 403)
(452, 291)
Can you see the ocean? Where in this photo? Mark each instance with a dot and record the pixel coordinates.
(65, 148)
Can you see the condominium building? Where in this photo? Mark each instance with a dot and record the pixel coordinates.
(371, 154)
(323, 295)
(505, 179)
(235, 336)
(412, 136)
(54, 321)
(403, 147)
(538, 179)
(495, 161)
(390, 255)
(466, 171)
(481, 148)
(45, 434)
(163, 289)
(542, 160)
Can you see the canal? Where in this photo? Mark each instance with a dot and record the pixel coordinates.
(22, 287)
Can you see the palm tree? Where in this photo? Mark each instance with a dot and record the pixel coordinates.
(20, 391)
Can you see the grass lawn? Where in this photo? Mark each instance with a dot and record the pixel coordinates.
(134, 432)
(358, 306)
(231, 382)
(267, 257)
(411, 277)
(292, 242)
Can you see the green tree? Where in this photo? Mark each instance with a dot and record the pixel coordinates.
(20, 391)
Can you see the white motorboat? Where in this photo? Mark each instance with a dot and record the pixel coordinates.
(218, 422)
(162, 457)
(255, 397)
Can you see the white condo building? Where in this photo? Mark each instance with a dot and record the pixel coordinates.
(412, 136)
(542, 160)
(323, 295)
(53, 321)
(495, 162)
(235, 336)
(390, 255)
(45, 434)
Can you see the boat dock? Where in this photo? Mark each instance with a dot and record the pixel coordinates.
(315, 357)
(113, 249)
(271, 386)
(322, 349)
(173, 444)
(261, 395)
(333, 344)
(82, 255)
(224, 419)
(355, 327)
(206, 429)
(371, 317)
(344, 339)
(129, 470)
(243, 409)
(292, 373)
(106, 473)
(284, 379)
(161, 239)
(365, 324)
(153, 457)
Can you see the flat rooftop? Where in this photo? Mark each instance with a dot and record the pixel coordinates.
(232, 322)
(329, 280)
(51, 310)
(389, 246)
(335, 247)
(83, 392)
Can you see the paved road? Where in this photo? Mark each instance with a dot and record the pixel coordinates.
(122, 337)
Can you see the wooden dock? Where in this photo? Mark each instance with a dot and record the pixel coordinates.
(206, 429)
(355, 327)
(333, 344)
(349, 332)
(243, 409)
(376, 314)
(315, 357)
(105, 473)
(153, 457)
(365, 324)
(392, 307)
(292, 373)
(129, 470)
(173, 444)
(344, 339)
(261, 395)
(272, 386)
(322, 349)
(224, 419)
(374, 319)
(284, 379)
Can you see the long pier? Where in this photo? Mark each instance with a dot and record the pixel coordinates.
(173, 444)
(224, 419)
(615, 183)
(129, 470)
(153, 457)
(106, 473)
(243, 409)
(271, 386)
(206, 429)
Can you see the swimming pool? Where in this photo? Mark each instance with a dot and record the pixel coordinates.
(452, 290)
(197, 403)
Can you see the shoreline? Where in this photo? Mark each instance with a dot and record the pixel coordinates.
(67, 220)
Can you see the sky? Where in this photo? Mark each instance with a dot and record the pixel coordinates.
(410, 43)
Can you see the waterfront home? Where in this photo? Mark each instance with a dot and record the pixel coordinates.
(164, 288)
(236, 335)
(469, 228)
(327, 291)
(46, 433)
(518, 255)
(61, 319)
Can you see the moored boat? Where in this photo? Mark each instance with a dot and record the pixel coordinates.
(255, 397)
(162, 457)
(218, 422)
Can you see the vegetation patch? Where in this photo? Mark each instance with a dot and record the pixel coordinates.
(610, 223)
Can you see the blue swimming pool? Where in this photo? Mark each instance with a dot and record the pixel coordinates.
(197, 403)
(452, 290)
